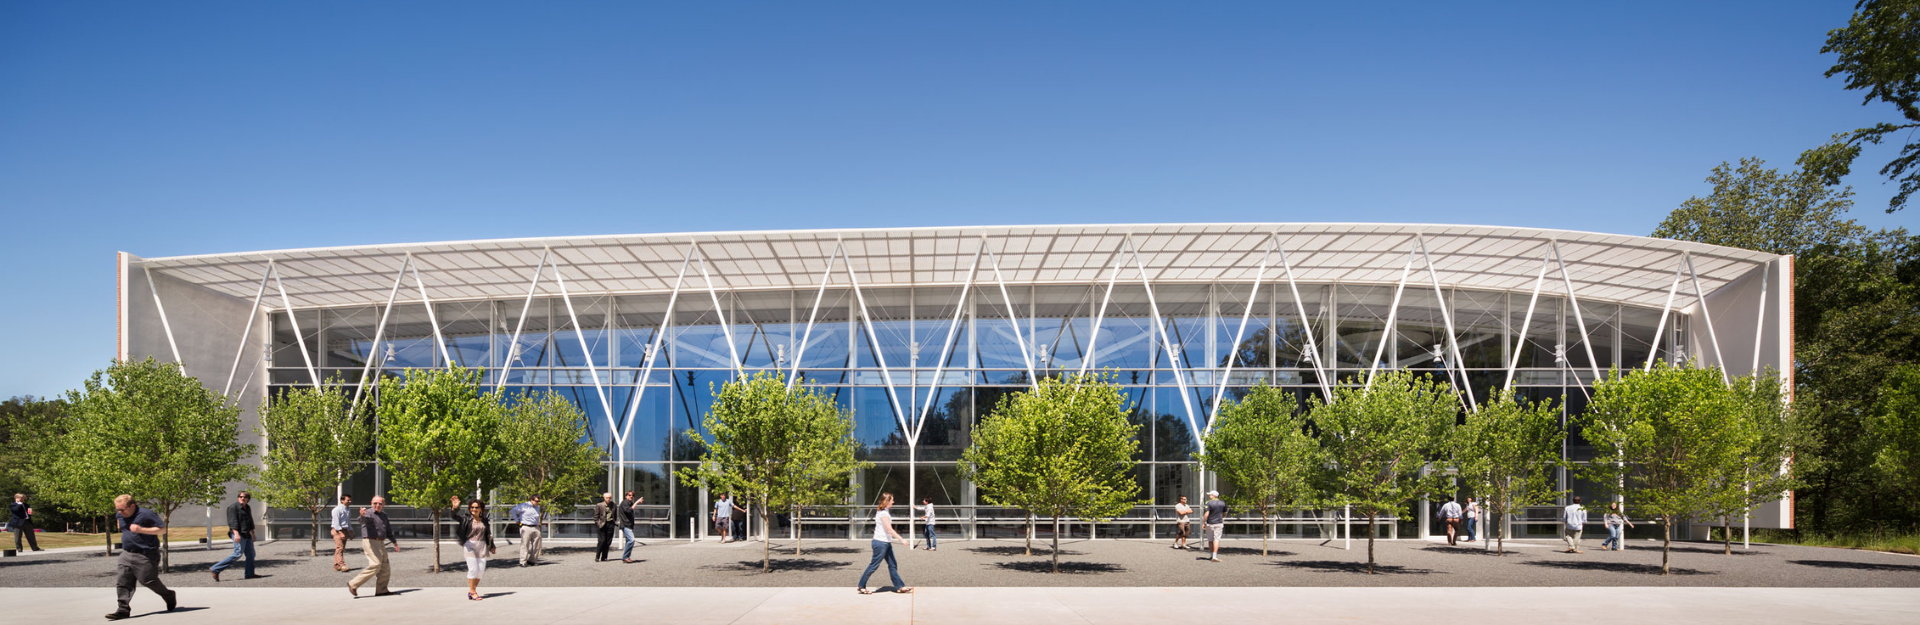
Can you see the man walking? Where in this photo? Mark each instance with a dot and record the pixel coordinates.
(603, 523)
(1215, 521)
(528, 516)
(926, 511)
(1576, 518)
(723, 516)
(375, 533)
(240, 529)
(1450, 514)
(625, 519)
(341, 531)
(140, 532)
(1185, 514)
(739, 519)
(20, 522)
(1473, 518)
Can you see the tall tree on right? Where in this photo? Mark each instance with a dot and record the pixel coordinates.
(1878, 52)
(1378, 442)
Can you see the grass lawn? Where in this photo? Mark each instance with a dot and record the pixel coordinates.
(1891, 542)
(56, 540)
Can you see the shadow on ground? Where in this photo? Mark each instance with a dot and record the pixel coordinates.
(1046, 566)
(1250, 551)
(1613, 567)
(238, 568)
(1466, 551)
(1038, 551)
(1858, 566)
(804, 549)
(779, 565)
(1335, 566)
(1718, 550)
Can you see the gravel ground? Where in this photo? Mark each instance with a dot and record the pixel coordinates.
(1002, 563)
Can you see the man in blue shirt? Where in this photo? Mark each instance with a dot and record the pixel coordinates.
(342, 530)
(140, 532)
(528, 516)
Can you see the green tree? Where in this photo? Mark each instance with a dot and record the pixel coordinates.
(1879, 52)
(1759, 208)
(1673, 431)
(1261, 446)
(1763, 434)
(1508, 452)
(547, 453)
(1067, 445)
(313, 443)
(25, 421)
(1896, 423)
(439, 437)
(781, 448)
(1002, 467)
(146, 429)
(1378, 442)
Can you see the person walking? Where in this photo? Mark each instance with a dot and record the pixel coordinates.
(20, 522)
(476, 544)
(739, 519)
(603, 523)
(1473, 518)
(1182, 527)
(723, 517)
(342, 513)
(139, 563)
(1216, 521)
(376, 532)
(527, 514)
(1617, 525)
(926, 514)
(240, 529)
(625, 519)
(1576, 519)
(883, 539)
(1450, 514)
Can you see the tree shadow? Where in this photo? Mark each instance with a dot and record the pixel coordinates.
(1075, 568)
(1614, 567)
(1466, 551)
(1038, 551)
(238, 568)
(1252, 551)
(1858, 566)
(781, 565)
(1718, 551)
(788, 548)
(1336, 566)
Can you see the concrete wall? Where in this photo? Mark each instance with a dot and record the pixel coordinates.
(206, 327)
(1758, 305)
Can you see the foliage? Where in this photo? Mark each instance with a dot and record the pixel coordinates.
(1671, 430)
(1879, 52)
(1378, 441)
(146, 429)
(1261, 446)
(543, 438)
(1508, 452)
(1764, 434)
(1873, 540)
(1896, 425)
(439, 437)
(1063, 448)
(25, 421)
(1759, 208)
(313, 443)
(782, 448)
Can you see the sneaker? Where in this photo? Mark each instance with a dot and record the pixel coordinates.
(1215, 559)
(115, 616)
(173, 600)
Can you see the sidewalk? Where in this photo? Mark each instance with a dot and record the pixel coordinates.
(1047, 606)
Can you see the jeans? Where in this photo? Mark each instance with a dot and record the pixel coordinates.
(739, 528)
(932, 542)
(241, 546)
(1613, 538)
(883, 551)
(1471, 524)
(626, 533)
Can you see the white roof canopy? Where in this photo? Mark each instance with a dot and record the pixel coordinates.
(1602, 267)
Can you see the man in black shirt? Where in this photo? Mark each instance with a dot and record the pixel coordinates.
(20, 522)
(626, 526)
(375, 532)
(240, 529)
(140, 532)
(1215, 521)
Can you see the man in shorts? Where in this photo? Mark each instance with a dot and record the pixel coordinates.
(1186, 519)
(1215, 521)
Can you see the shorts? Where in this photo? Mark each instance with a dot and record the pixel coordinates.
(1215, 531)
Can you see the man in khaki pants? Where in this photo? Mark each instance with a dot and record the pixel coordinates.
(528, 516)
(375, 533)
(340, 531)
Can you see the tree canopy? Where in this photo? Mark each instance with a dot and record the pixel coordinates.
(314, 442)
(1378, 441)
(543, 441)
(1878, 52)
(1509, 452)
(439, 437)
(1261, 446)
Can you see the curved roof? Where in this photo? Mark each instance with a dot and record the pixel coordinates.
(1602, 267)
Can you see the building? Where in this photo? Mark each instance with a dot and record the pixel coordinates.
(919, 330)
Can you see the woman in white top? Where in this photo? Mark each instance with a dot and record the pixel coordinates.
(883, 539)
(1185, 511)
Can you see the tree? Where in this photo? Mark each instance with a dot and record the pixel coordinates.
(1896, 423)
(1001, 467)
(547, 452)
(1067, 445)
(314, 441)
(783, 448)
(1508, 452)
(1378, 441)
(1758, 208)
(1260, 444)
(147, 429)
(1764, 435)
(1879, 53)
(26, 421)
(1672, 429)
(439, 437)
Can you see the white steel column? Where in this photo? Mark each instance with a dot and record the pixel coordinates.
(726, 325)
(1013, 316)
(244, 334)
(1173, 356)
(1253, 295)
(1393, 315)
(294, 321)
(431, 318)
(379, 331)
(807, 334)
(1099, 317)
(1326, 386)
(646, 364)
(1707, 313)
(155, 290)
(1760, 322)
(1580, 320)
(1453, 337)
(580, 333)
(879, 355)
(1653, 351)
(939, 366)
(1526, 322)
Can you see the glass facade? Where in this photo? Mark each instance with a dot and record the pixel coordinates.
(984, 348)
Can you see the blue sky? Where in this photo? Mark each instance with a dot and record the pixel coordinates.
(182, 128)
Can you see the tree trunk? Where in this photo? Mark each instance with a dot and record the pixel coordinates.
(1726, 524)
(1499, 513)
(766, 546)
(436, 539)
(1268, 532)
(1056, 542)
(1666, 544)
(798, 534)
(108, 534)
(313, 538)
(1373, 521)
(1029, 533)
(166, 546)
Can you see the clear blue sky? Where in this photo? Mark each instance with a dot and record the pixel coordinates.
(184, 128)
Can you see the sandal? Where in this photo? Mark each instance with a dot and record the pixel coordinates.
(865, 591)
(905, 591)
